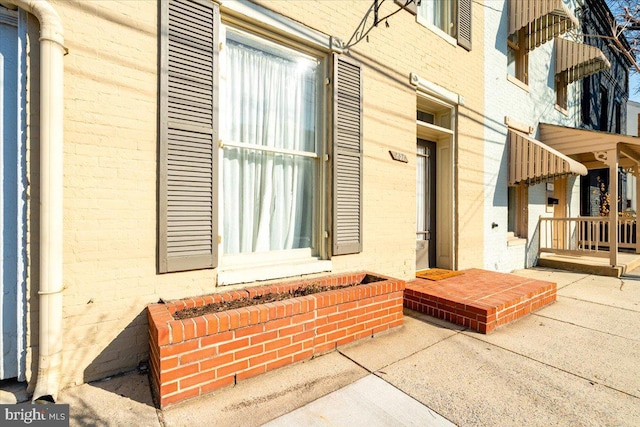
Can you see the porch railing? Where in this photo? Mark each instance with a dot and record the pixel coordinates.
(584, 235)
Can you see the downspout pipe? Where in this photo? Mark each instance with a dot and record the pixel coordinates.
(52, 51)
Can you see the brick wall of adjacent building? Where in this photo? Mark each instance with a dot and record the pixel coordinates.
(111, 166)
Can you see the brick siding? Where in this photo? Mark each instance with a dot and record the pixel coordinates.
(197, 355)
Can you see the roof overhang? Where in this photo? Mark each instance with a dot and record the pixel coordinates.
(578, 60)
(541, 20)
(532, 162)
(585, 145)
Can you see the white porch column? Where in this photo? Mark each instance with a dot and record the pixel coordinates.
(612, 161)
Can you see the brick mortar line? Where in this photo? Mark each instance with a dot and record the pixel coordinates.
(591, 381)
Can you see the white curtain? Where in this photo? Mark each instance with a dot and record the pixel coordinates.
(421, 185)
(439, 13)
(270, 101)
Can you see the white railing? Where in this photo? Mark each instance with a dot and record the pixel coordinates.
(584, 235)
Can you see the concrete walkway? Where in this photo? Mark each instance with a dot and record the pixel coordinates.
(575, 362)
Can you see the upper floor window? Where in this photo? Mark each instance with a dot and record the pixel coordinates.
(439, 13)
(531, 24)
(449, 18)
(517, 57)
(617, 111)
(586, 102)
(604, 109)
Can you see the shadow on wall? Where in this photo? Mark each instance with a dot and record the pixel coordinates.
(533, 248)
(128, 351)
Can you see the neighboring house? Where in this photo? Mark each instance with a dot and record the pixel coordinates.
(605, 94)
(633, 118)
(538, 68)
(604, 103)
(633, 129)
(220, 143)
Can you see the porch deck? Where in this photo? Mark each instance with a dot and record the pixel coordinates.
(591, 264)
(478, 299)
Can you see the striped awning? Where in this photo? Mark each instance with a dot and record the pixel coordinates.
(532, 162)
(578, 60)
(542, 20)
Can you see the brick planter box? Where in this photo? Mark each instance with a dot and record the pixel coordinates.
(195, 356)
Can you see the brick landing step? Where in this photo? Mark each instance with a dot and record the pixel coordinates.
(480, 300)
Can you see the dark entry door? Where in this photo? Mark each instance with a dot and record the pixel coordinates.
(426, 205)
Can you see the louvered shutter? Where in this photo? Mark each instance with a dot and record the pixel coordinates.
(347, 156)
(188, 136)
(464, 23)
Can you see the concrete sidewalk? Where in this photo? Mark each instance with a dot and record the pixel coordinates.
(575, 362)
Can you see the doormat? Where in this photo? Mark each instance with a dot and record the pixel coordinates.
(437, 274)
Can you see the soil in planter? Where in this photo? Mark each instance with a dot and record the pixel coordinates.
(261, 299)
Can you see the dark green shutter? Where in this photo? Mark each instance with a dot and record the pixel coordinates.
(347, 156)
(188, 135)
(464, 23)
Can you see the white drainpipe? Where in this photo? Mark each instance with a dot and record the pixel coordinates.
(52, 51)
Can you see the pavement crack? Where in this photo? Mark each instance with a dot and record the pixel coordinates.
(598, 303)
(377, 373)
(354, 361)
(574, 282)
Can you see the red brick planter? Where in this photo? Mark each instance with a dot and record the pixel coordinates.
(195, 356)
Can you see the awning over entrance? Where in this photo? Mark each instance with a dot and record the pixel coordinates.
(532, 162)
(587, 144)
(596, 149)
(542, 20)
(578, 60)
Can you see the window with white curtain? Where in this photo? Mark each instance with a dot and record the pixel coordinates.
(270, 165)
(439, 13)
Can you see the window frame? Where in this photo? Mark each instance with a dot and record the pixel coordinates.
(460, 22)
(234, 267)
(521, 58)
(520, 226)
(562, 91)
(317, 249)
(261, 23)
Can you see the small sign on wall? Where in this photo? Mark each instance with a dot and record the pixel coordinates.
(399, 157)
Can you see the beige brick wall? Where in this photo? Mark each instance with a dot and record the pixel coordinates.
(110, 166)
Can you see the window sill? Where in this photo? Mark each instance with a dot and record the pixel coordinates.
(562, 110)
(516, 241)
(522, 85)
(235, 273)
(436, 31)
